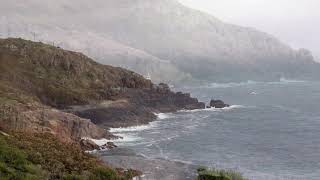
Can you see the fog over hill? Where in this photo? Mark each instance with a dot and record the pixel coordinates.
(162, 37)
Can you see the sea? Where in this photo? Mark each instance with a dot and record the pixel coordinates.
(271, 131)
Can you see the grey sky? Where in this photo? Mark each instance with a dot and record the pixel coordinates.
(296, 22)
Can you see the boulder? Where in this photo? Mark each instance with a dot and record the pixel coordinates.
(218, 104)
(109, 145)
(88, 145)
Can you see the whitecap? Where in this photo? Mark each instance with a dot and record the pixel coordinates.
(232, 84)
(284, 80)
(215, 109)
(249, 82)
(134, 128)
(163, 115)
(127, 138)
(253, 93)
(99, 142)
(130, 129)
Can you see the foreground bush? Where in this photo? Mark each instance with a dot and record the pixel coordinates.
(213, 174)
(42, 156)
(15, 165)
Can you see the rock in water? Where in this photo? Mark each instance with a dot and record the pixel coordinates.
(108, 145)
(218, 104)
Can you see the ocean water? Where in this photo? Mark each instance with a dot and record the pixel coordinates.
(272, 131)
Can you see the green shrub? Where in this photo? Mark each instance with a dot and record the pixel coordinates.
(42, 156)
(102, 173)
(15, 165)
(214, 174)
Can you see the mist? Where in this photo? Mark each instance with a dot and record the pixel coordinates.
(295, 22)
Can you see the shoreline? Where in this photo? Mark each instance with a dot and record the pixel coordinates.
(118, 132)
(152, 168)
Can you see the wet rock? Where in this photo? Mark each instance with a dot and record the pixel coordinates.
(139, 107)
(218, 104)
(88, 145)
(109, 145)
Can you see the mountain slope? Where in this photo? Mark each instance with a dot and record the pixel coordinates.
(191, 41)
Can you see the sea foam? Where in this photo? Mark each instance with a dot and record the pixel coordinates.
(163, 115)
(215, 109)
(249, 82)
(130, 129)
(99, 142)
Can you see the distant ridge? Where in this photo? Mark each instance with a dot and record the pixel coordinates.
(179, 44)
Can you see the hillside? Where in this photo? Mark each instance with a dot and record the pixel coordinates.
(36, 78)
(160, 33)
(25, 156)
(47, 89)
(52, 100)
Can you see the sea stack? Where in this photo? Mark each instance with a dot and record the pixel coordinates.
(218, 104)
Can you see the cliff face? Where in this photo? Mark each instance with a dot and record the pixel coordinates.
(65, 126)
(47, 89)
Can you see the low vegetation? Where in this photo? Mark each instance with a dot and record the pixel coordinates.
(42, 156)
(58, 77)
(214, 174)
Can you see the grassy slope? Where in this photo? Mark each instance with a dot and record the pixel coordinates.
(58, 77)
(215, 174)
(35, 74)
(24, 156)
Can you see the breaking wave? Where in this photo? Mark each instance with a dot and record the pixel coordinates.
(216, 109)
(131, 129)
(163, 115)
(284, 80)
(249, 82)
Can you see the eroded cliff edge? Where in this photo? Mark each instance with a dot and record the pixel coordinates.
(47, 89)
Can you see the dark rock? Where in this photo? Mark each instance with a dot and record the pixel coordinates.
(218, 104)
(109, 145)
(137, 107)
(88, 145)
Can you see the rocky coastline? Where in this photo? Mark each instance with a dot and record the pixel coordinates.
(45, 89)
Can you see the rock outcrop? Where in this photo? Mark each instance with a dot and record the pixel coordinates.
(108, 145)
(218, 104)
(40, 119)
(88, 145)
(139, 106)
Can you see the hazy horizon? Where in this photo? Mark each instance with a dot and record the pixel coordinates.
(295, 22)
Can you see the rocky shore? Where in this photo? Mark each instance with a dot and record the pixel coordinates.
(47, 89)
(133, 107)
(44, 89)
(152, 168)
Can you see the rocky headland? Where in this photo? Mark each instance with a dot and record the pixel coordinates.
(47, 89)
(66, 97)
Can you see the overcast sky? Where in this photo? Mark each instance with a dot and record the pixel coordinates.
(296, 22)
